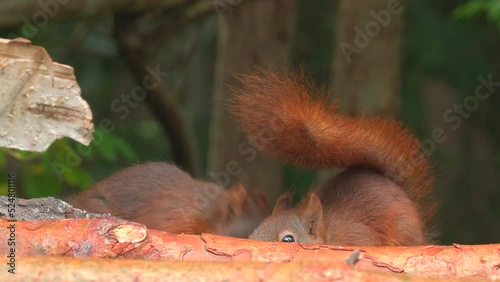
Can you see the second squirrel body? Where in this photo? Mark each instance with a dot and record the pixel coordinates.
(382, 196)
(163, 197)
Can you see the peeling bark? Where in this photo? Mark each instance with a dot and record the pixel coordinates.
(39, 100)
(42, 209)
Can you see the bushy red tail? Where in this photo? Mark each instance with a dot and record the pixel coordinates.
(292, 120)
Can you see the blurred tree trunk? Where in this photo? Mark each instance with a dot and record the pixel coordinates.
(366, 68)
(255, 33)
(467, 158)
(198, 90)
(367, 60)
(35, 14)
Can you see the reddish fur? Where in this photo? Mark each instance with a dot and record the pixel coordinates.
(309, 132)
(163, 197)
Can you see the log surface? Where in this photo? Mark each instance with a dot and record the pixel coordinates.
(71, 269)
(116, 238)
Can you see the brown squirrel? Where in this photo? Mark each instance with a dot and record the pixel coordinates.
(163, 197)
(382, 198)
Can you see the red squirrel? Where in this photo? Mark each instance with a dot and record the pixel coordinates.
(163, 197)
(381, 198)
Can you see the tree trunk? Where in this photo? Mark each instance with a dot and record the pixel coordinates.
(255, 33)
(366, 69)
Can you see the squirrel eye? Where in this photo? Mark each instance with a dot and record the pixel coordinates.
(288, 239)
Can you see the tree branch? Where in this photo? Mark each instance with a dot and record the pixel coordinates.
(35, 12)
(158, 97)
(71, 269)
(116, 238)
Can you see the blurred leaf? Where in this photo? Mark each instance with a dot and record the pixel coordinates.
(3, 159)
(125, 149)
(470, 9)
(489, 7)
(149, 129)
(22, 155)
(4, 188)
(494, 12)
(78, 177)
(37, 182)
(111, 147)
(106, 147)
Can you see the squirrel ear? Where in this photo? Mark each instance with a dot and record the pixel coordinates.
(261, 200)
(258, 202)
(283, 203)
(238, 189)
(237, 196)
(311, 214)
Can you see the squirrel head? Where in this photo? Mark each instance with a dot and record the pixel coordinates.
(245, 210)
(302, 224)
